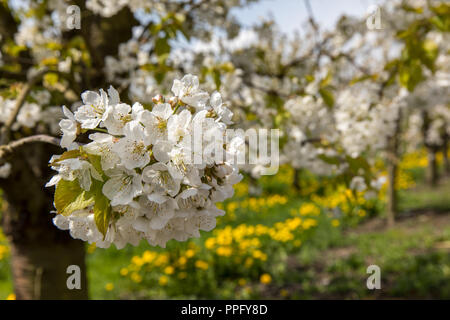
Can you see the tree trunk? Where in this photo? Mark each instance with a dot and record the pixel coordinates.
(40, 270)
(40, 253)
(392, 193)
(445, 155)
(296, 181)
(392, 167)
(432, 169)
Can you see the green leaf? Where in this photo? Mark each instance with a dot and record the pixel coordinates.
(70, 197)
(359, 167)
(72, 154)
(327, 97)
(327, 80)
(356, 164)
(412, 9)
(330, 160)
(273, 100)
(162, 46)
(443, 9)
(51, 78)
(363, 78)
(96, 162)
(429, 54)
(410, 74)
(309, 78)
(438, 23)
(217, 80)
(102, 213)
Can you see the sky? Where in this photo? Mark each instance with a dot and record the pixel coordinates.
(291, 14)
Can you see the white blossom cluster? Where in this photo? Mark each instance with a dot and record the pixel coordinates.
(156, 192)
(310, 122)
(364, 121)
(29, 114)
(431, 100)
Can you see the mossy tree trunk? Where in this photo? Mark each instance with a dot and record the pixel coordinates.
(40, 253)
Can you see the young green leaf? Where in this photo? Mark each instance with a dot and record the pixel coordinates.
(72, 154)
(70, 197)
(102, 213)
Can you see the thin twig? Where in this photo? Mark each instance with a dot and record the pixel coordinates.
(9, 149)
(310, 140)
(5, 131)
(312, 21)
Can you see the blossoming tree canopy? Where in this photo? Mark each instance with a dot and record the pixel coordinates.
(135, 178)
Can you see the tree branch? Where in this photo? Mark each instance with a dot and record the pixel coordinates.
(9, 149)
(311, 19)
(5, 131)
(18, 76)
(310, 140)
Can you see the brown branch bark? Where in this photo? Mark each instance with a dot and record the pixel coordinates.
(9, 149)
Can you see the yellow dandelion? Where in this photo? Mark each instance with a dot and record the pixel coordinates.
(123, 272)
(136, 277)
(242, 282)
(200, 264)
(190, 253)
(210, 243)
(169, 270)
(182, 261)
(265, 278)
(11, 296)
(138, 261)
(109, 286)
(335, 223)
(163, 280)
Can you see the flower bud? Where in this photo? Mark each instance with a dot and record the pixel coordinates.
(158, 99)
(173, 101)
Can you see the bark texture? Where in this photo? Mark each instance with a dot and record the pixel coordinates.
(40, 253)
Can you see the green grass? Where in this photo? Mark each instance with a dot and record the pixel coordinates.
(413, 257)
(426, 197)
(5, 279)
(413, 264)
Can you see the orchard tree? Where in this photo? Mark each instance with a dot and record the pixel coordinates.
(340, 98)
(46, 61)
